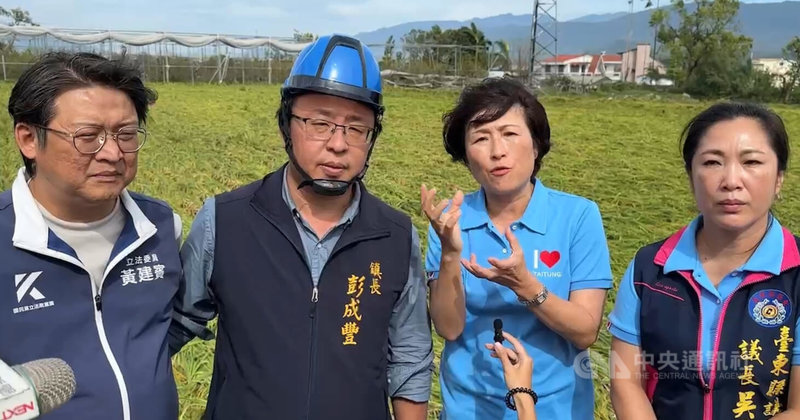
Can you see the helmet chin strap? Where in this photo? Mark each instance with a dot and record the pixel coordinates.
(323, 186)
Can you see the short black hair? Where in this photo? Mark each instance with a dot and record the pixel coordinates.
(770, 121)
(486, 102)
(33, 96)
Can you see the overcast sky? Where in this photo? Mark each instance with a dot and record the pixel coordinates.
(281, 17)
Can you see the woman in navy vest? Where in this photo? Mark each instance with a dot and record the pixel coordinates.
(535, 257)
(704, 324)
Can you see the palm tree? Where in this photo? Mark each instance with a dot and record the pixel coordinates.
(501, 52)
(476, 37)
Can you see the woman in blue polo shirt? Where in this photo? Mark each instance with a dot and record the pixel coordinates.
(516, 250)
(704, 323)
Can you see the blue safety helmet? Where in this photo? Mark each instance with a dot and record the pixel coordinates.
(335, 65)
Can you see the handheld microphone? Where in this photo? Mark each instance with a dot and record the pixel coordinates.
(34, 388)
(498, 330)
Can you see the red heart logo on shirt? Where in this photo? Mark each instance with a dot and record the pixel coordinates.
(550, 258)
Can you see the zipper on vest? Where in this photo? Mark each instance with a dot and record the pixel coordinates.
(718, 334)
(707, 398)
(312, 314)
(112, 361)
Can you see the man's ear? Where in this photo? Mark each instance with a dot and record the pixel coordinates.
(27, 140)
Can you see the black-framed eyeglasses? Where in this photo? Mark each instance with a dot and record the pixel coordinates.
(322, 130)
(89, 140)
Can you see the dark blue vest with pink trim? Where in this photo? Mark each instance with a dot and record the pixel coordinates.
(749, 377)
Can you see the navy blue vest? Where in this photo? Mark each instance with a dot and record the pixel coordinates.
(753, 346)
(47, 309)
(279, 353)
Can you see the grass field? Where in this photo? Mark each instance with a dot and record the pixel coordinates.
(622, 153)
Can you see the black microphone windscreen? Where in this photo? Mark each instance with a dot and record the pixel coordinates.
(498, 324)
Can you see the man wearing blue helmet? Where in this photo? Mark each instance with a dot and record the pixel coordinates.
(318, 284)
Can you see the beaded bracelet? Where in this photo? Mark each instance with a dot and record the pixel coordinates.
(512, 391)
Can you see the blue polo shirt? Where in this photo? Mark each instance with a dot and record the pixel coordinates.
(624, 319)
(565, 248)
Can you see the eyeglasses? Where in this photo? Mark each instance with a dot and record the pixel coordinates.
(90, 139)
(322, 130)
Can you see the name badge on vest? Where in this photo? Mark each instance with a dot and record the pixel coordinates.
(355, 289)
